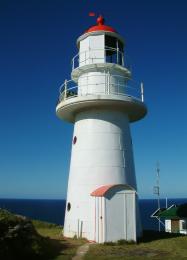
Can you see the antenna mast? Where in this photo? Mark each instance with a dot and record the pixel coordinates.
(157, 189)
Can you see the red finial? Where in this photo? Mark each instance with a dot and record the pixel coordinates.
(91, 14)
(100, 25)
(100, 20)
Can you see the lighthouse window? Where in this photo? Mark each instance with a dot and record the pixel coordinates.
(114, 50)
(68, 206)
(74, 140)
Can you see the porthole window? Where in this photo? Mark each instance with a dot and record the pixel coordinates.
(74, 140)
(68, 206)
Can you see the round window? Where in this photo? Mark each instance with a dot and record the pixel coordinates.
(68, 206)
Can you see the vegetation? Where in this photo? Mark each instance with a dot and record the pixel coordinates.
(21, 238)
(61, 248)
(153, 245)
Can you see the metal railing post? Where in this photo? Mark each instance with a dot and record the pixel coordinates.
(65, 89)
(123, 59)
(108, 82)
(142, 91)
(117, 55)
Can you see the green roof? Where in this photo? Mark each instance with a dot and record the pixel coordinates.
(175, 212)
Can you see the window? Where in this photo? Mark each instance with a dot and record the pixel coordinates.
(68, 206)
(183, 225)
(114, 50)
(74, 140)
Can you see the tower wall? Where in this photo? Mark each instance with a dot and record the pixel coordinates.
(102, 82)
(92, 50)
(101, 155)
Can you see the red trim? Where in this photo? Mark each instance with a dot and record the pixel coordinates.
(102, 190)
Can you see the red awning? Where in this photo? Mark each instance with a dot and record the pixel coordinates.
(101, 191)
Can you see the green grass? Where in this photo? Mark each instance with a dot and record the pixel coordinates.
(22, 238)
(154, 245)
(61, 248)
(50, 244)
(48, 229)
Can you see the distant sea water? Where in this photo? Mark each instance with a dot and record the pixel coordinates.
(53, 210)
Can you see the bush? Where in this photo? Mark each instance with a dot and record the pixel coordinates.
(109, 243)
(125, 242)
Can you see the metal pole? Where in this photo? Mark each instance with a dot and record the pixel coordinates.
(65, 89)
(73, 65)
(108, 83)
(78, 229)
(117, 53)
(166, 202)
(142, 91)
(158, 185)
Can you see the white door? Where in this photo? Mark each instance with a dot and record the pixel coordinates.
(120, 222)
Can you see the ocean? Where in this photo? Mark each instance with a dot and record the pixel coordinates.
(53, 210)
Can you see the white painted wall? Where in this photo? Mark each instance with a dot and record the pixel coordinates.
(92, 83)
(92, 50)
(168, 225)
(97, 52)
(101, 82)
(84, 52)
(102, 155)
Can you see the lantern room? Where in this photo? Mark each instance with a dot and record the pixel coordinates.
(100, 44)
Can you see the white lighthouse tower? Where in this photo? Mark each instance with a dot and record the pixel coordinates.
(101, 100)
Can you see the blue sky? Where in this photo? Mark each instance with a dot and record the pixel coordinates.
(38, 41)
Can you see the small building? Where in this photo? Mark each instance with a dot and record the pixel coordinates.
(175, 218)
(115, 213)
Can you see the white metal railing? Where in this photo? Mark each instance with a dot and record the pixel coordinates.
(107, 85)
(107, 55)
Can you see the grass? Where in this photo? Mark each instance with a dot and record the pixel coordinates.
(153, 245)
(22, 238)
(60, 248)
(50, 244)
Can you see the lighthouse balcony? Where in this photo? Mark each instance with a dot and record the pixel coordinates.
(96, 90)
(101, 84)
(92, 57)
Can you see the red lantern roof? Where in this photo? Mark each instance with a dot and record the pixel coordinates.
(100, 26)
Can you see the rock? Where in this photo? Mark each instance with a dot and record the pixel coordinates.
(18, 238)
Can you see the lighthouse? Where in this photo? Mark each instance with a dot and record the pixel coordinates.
(101, 100)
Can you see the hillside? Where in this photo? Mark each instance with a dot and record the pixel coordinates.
(153, 245)
(22, 238)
